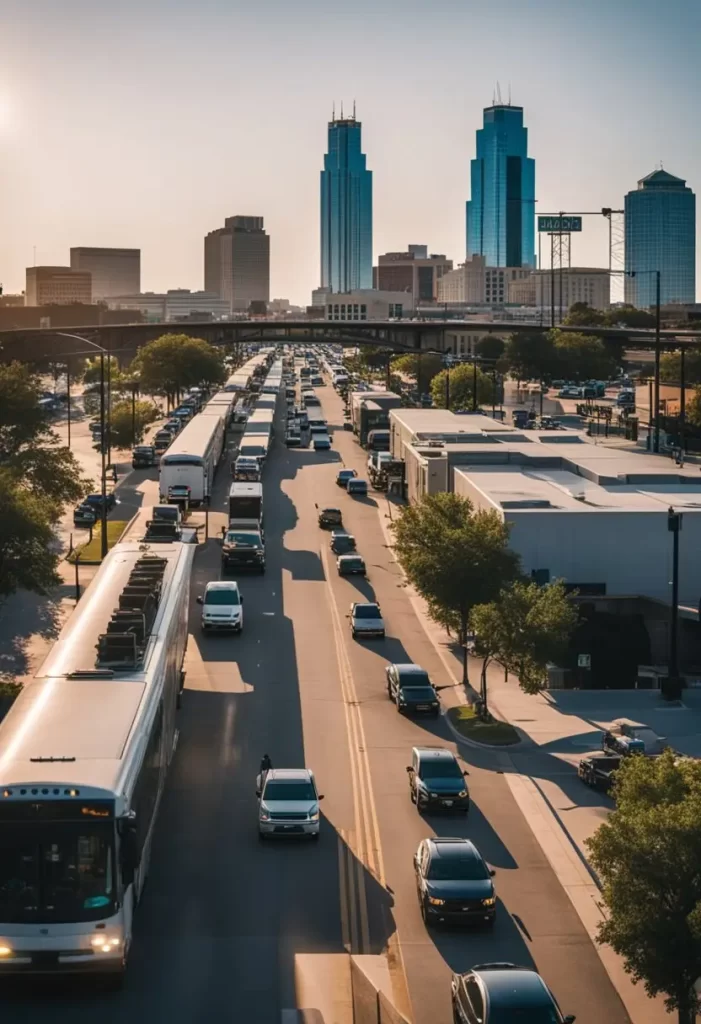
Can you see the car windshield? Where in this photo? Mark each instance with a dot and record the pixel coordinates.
(230, 596)
(241, 540)
(524, 1015)
(440, 769)
(367, 611)
(346, 474)
(418, 692)
(289, 791)
(56, 872)
(355, 562)
(413, 679)
(458, 869)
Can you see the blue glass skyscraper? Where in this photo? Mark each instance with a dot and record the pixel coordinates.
(660, 226)
(346, 210)
(501, 209)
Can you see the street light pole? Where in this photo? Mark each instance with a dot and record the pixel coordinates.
(674, 525)
(682, 403)
(658, 350)
(474, 382)
(103, 473)
(68, 392)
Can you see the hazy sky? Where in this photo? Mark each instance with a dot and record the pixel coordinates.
(147, 123)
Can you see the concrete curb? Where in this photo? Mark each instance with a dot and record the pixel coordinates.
(519, 745)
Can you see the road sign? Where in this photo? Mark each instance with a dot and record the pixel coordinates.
(584, 661)
(560, 224)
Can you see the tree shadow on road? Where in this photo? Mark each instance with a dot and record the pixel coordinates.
(23, 617)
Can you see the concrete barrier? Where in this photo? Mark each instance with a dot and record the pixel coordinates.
(338, 988)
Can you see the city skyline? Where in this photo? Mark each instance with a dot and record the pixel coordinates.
(121, 182)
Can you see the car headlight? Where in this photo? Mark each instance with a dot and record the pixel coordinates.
(462, 793)
(433, 795)
(5, 951)
(435, 902)
(264, 813)
(489, 901)
(314, 815)
(105, 943)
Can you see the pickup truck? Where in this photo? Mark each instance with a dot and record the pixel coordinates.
(598, 771)
(243, 549)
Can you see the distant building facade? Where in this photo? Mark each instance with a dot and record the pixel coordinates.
(114, 271)
(575, 284)
(57, 286)
(521, 292)
(237, 262)
(660, 234)
(413, 271)
(476, 282)
(346, 210)
(173, 305)
(367, 304)
(501, 208)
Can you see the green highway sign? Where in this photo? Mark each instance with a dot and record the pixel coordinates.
(559, 225)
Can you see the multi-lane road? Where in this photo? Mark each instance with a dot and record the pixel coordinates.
(224, 915)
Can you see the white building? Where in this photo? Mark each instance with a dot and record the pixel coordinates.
(574, 284)
(367, 304)
(593, 516)
(474, 281)
(173, 304)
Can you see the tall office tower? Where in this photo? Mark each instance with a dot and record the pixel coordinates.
(501, 210)
(660, 231)
(237, 262)
(346, 210)
(114, 271)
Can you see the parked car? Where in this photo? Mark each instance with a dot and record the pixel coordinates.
(350, 565)
(288, 803)
(293, 439)
(85, 515)
(95, 501)
(143, 456)
(329, 517)
(222, 607)
(411, 689)
(453, 883)
(321, 442)
(366, 620)
(497, 992)
(342, 543)
(344, 475)
(436, 781)
(357, 488)
(599, 770)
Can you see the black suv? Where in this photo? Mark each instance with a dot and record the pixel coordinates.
(503, 991)
(453, 882)
(411, 690)
(436, 780)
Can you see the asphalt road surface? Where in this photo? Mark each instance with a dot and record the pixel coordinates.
(223, 914)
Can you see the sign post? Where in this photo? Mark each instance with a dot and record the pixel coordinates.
(559, 225)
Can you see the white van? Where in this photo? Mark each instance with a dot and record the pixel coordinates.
(222, 606)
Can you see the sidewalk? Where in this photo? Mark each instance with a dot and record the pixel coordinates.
(560, 810)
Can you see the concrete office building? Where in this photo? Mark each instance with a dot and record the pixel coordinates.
(575, 284)
(521, 291)
(173, 304)
(367, 304)
(114, 271)
(237, 262)
(57, 286)
(346, 210)
(577, 511)
(501, 209)
(660, 234)
(413, 271)
(476, 282)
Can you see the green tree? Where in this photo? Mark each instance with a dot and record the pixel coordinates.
(629, 316)
(490, 347)
(581, 314)
(409, 365)
(670, 367)
(175, 362)
(91, 374)
(693, 408)
(29, 449)
(582, 356)
(532, 355)
(28, 550)
(121, 421)
(647, 855)
(455, 557)
(527, 627)
(462, 379)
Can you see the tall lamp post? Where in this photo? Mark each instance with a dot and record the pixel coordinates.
(103, 489)
(674, 525)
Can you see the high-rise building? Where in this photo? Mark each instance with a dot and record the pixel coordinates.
(114, 271)
(501, 208)
(346, 210)
(57, 286)
(412, 271)
(660, 227)
(237, 262)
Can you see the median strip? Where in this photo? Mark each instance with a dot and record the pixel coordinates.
(494, 733)
(90, 553)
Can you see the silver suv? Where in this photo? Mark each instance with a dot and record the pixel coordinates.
(288, 803)
(366, 619)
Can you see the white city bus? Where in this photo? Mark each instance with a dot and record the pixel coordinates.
(83, 758)
(192, 458)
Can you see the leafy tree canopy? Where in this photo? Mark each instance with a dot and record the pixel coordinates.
(461, 385)
(28, 550)
(91, 374)
(582, 357)
(647, 855)
(532, 355)
(670, 367)
(410, 366)
(175, 362)
(490, 347)
(121, 422)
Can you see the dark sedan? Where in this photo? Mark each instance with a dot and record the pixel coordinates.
(342, 543)
(85, 515)
(497, 992)
(453, 882)
(411, 690)
(344, 475)
(350, 565)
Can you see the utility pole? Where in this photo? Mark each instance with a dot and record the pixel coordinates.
(674, 525)
(658, 350)
(103, 450)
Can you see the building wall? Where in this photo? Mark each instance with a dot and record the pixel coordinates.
(237, 262)
(114, 271)
(579, 284)
(57, 286)
(172, 304)
(367, 304)
(413, 271)
(476, 282)
(522, 292)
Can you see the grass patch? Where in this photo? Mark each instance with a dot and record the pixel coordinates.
(494, 733)
(90, 553)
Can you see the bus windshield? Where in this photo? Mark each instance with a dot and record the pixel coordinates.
(56, 872)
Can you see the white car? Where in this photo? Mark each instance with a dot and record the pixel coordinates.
(222, 606)
(366, 620)
(288, 803)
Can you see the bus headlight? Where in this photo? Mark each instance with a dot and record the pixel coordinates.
(5, 951)
(104, 943)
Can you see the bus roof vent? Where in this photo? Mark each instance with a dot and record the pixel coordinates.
(122, 646)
